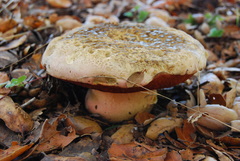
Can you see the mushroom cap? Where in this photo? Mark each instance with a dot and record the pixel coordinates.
(123, 57)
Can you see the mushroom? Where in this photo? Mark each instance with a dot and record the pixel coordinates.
(119, 62)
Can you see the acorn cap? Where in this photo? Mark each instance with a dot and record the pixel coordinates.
(123, 57)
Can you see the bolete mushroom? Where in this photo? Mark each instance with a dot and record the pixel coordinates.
(118, 62)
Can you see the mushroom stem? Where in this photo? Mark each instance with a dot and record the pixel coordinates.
(116, 107)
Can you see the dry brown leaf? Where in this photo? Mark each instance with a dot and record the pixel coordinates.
(14, 43)
(51, 138)
(33, 21)
(14, 116)
(60, 3)
(123, 135)
(186, 154)
(174, 142)
(137, 152)
(83, 125)
(216, 99)
(161, 125)
(214, 84)
(212, 116)
(186, 134)
(7, 24)
(232, 31)
(4, 78)
(173, 156)
(141, 117)
(13, 152)
(230, 140)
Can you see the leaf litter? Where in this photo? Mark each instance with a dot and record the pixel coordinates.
(45, 119)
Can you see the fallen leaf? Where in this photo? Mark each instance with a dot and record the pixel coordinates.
(7, 24)
(60, 3)
(7, 58)
(229, 140)
(14, 116)
(3, 79)
(141, 117)
(13, 152)
(124, 134)
(14, 43)
(216, 99)
(173, 156)
(186, 134)
(83, 125)
(186, 154)
(33, 21)
(86, 147)
(51, 138)
(161, 125)
(137, 152)
(223, 156)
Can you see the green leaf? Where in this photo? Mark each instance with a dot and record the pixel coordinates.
(128, 14)
(214, 32)
(142, 15)
(190, 20)
(16, 82)
(212, 19)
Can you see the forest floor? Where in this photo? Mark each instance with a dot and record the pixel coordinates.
(43, 118)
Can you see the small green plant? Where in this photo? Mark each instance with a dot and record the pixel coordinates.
(137, 14)
(212, 22)
(190, 20)
(215, 32)
(15, 82)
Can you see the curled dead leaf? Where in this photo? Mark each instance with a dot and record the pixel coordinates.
(214, 84)
(14, 116)
(212, 116)
(124, 134)
(83, 125)
(51, 138)
(162, 124)
(133, 151)
(13, 152)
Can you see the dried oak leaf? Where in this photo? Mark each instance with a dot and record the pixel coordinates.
(136, 151)
(14, 151)
(7, 24)
(186, 134)
(51, 138)
(14, 116)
